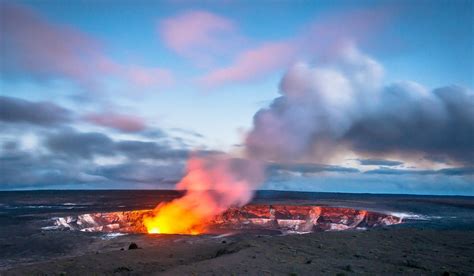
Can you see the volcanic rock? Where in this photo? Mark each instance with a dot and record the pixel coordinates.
(132, 246)
(263, 218)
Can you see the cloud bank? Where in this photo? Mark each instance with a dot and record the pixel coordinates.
(64, 156)
(15, 110)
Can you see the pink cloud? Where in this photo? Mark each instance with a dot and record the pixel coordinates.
(32, 46)
(122, 122)
(251, 63)
(320, 39)
(199, 35)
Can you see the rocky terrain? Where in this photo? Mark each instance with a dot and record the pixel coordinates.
(406, 251)
(280, 218)
(40, 234)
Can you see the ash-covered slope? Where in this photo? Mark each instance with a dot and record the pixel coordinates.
(282, 218)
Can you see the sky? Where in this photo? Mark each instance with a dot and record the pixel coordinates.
(333, 96)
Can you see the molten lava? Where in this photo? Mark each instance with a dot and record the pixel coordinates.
(174, 218)
(213, 184)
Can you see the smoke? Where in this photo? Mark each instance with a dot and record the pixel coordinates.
(317, 104)
(343, 105)
(340, 104)
(213, 183)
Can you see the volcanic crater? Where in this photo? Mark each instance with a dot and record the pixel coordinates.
(271, 219)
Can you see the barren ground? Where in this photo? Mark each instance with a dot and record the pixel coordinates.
(377, 251)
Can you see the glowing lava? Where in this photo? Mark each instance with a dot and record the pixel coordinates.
(213, 184)
(174, 218)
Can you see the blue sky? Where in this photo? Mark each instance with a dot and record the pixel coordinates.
(188, 76)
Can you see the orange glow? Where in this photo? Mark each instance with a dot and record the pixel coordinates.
(212, 185)
(174, 218)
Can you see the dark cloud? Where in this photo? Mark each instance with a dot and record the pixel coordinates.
(69, 158)
(379, 162)
(25, 169)
(66, 157)
(10, 146)
(457, 171)
(16, 110)
(76, 144)
(70, 161)
(138, 172)
(154, 133)
(90, 144)
(152, 150)
(308, 168)
(448, 171)
(441, 124)
(437, 159)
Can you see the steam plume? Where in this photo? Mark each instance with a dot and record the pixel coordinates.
(339, 104)
(213, 184)
(344, 104)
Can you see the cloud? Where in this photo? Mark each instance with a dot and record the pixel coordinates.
(251, 64)
(150, 150)
(122, 122)
(76, 144)
(198, 34)
(87, 145)
(412, 119)
(317, 105)
(32, 44)
(379, 162)
(35, 48)
(458, 171)
(341, 105)
(449, 171)
(66, 156)
(321, 39)
(138, 172)
(307, 168)
(58, 155)
(16, 110)
(43, 113)
(25, 169)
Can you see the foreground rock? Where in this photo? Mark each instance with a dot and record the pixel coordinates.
(382, 251)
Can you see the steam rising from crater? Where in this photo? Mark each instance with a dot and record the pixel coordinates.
(212, 184)
(339, 104)
(343, 104)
